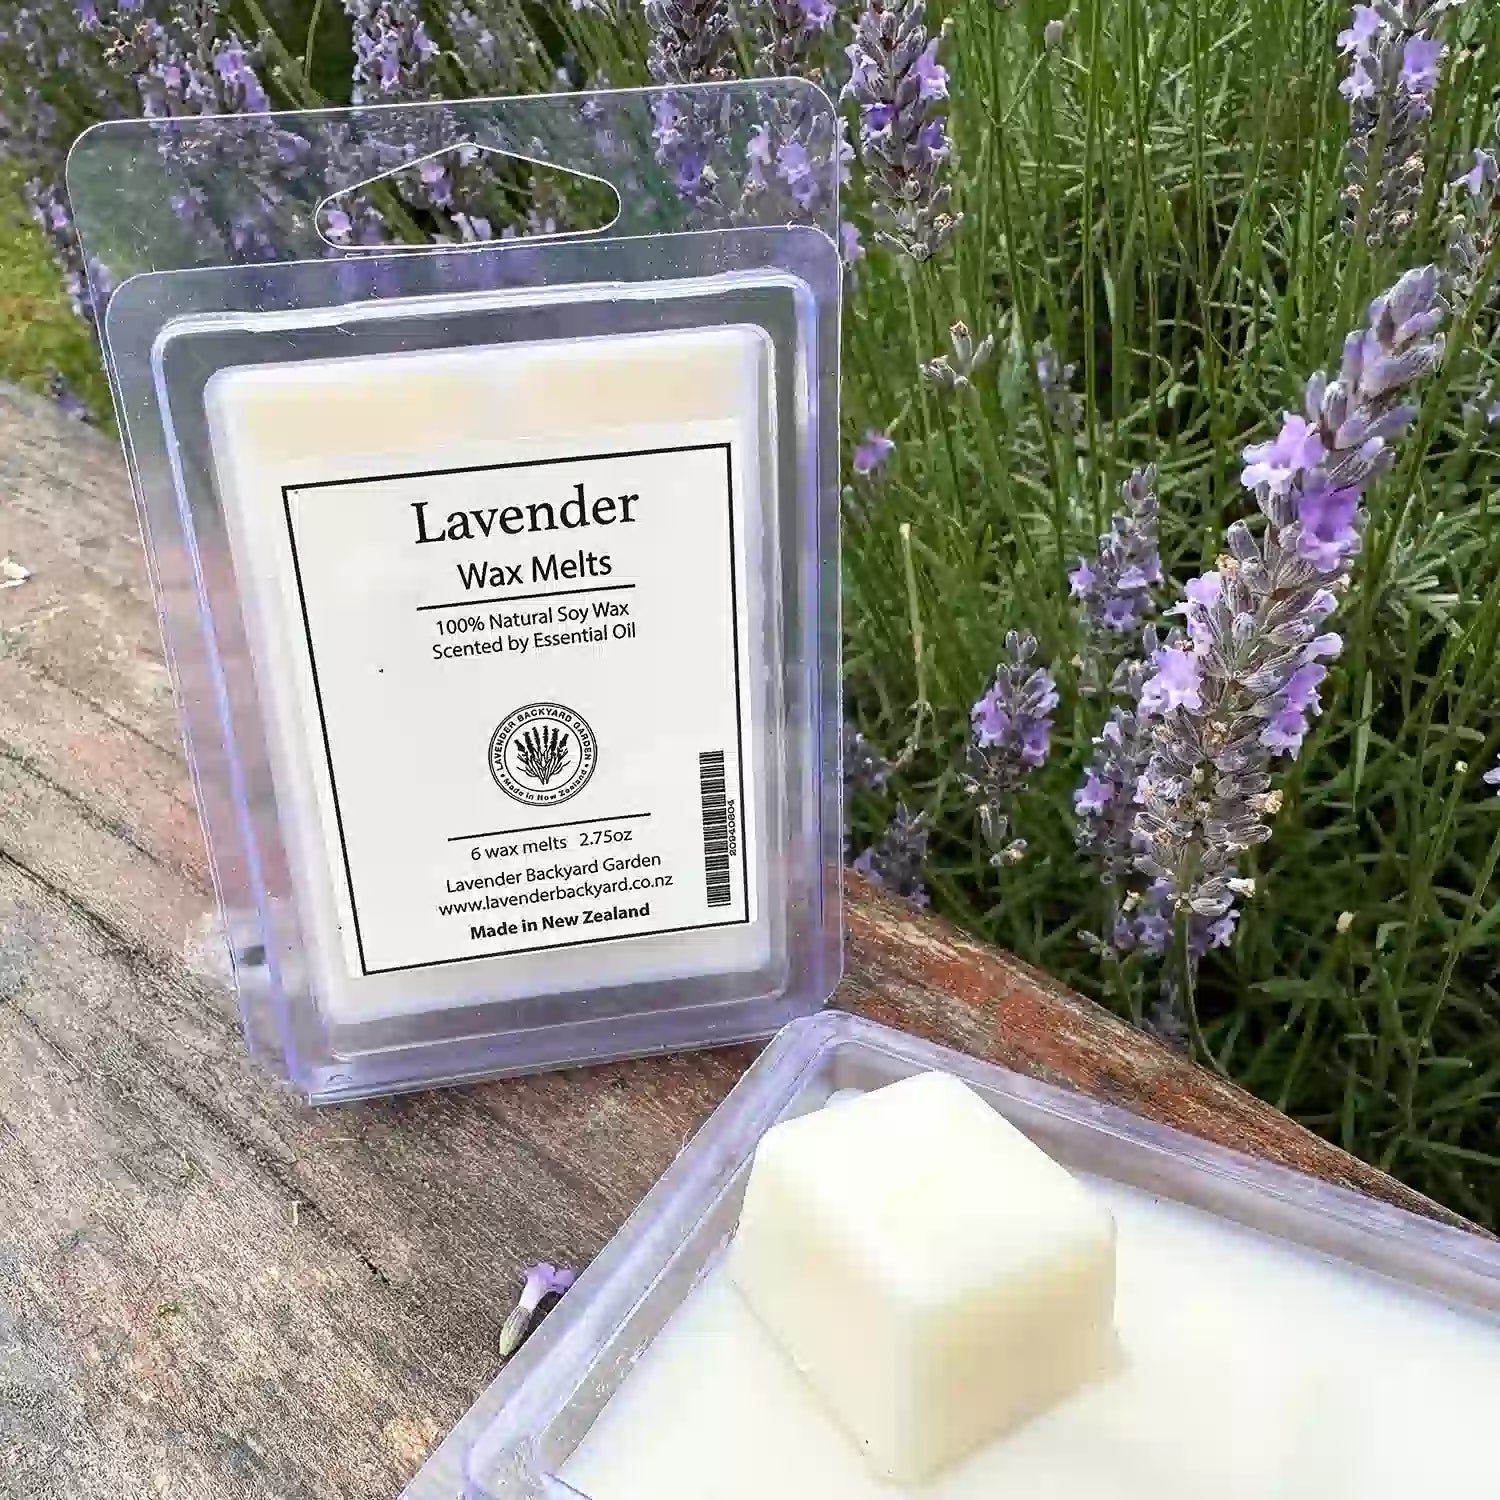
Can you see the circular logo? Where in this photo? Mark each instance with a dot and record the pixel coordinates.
(543, 754)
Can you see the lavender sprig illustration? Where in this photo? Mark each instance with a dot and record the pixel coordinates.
(543, 752)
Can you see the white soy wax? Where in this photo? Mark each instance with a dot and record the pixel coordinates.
(1251, 1370)
(508, 614)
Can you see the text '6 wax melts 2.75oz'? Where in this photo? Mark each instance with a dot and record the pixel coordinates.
(499, 582)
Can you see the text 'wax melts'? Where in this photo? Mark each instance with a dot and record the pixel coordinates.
(500, 587)
(933, 1274)
(481, 628)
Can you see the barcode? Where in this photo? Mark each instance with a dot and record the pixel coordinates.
(715, 826)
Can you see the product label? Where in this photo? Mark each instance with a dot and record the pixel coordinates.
(528, 684)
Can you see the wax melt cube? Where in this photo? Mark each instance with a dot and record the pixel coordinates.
(935, 1276)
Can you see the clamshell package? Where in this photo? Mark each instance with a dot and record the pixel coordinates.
(1274, 1337)
(498, 575)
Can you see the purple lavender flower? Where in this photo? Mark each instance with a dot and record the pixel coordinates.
(1326, 518)
(1240, 684)
(895, 861)
(1362, 30)
(1419, 66)
(1094, 796)
(1395, 64)
(1492, 777)
(850, 249)
(1010, 737)
(1280, 463)
(899, 84)
(1064, 405)
(542, 1281)
(872, 455)
(1114, 587)
(1176, 682)
(691, 40)
(1473, 228)
(1482, 177)
(393, 52)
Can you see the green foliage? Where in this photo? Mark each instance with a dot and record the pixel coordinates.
(1159, 194)
(40, 336)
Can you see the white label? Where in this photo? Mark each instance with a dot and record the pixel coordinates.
(528, 688)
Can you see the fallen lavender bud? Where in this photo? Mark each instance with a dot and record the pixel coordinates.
(71, 404)
(542, 1281)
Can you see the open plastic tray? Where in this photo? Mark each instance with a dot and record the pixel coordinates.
(521, 1431)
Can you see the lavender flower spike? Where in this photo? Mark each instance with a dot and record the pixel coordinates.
(1394, 70)
(1475, 199)
(1064, 404)
(542, 1281)
(899, 85)
(787, 34)
(690, 40)
(1114, 587)
(1105, 805)
(895, 861)
(1011, 737)
(1239, 683)
(393, 52)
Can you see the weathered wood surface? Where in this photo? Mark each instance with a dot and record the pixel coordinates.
(208, 1289)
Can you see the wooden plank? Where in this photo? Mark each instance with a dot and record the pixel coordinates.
(208, 1289)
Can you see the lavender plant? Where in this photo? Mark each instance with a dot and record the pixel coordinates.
(1114, 588)
(393, 51)
(1011, 738)
(1237, 687)
(897, 859)
(1395, 59)
(899, 86)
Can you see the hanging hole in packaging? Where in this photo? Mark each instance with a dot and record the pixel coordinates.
(487, 195)
(498, 570)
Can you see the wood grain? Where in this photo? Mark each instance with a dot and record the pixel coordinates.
(208, 1289)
